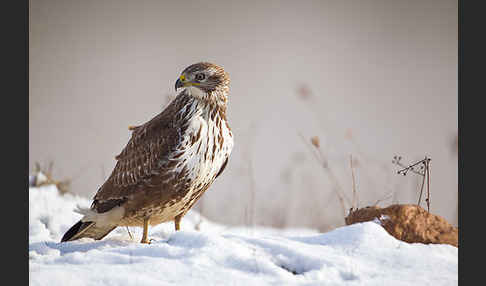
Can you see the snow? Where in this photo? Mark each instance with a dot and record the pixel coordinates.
(360, 254)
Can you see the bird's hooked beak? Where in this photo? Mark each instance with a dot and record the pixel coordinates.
(180, 82)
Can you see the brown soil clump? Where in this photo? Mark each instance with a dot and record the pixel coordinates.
(409, 223)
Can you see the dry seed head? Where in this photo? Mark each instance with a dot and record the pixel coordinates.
(315, 141)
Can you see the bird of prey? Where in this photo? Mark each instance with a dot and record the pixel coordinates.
(169, 161)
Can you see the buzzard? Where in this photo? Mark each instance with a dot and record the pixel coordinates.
(169, 161)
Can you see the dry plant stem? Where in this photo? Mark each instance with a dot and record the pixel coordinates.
(355, 195)
(250, 209)
(333, 177)
(49, 169)
(390, 194)
(129, 233)
(410, 168)
(364, 171)
(428, 183)
(425, 176)
(325, 167)
(421, 190)
(341, 201)
(311, 149)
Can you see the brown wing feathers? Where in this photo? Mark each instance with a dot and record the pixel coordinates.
(149, 144)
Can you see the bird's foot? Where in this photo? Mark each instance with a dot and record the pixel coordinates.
(147, 241)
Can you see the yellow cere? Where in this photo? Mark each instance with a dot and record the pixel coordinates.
(182, 77)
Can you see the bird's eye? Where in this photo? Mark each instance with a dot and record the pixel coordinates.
(200, 76)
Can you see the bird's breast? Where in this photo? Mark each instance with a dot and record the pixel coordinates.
(204, 147)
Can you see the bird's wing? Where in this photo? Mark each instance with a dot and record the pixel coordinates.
(148, 148)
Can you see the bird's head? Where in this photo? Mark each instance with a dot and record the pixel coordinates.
(209, 78)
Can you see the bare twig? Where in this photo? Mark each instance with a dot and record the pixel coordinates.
(62, 186)
(129, 233)
(49, 169)
(427, 169)
(421, 190)
(316, 155)
(355, 194)
(424, 172)
(389, 195)
(365, 172)
(250, 210)
(341, 201)
(396, 160)
(321, 159)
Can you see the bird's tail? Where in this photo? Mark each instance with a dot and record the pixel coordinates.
(87, 229)
(93, 224)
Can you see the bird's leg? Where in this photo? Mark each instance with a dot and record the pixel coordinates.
(145, 231)
(177, 222)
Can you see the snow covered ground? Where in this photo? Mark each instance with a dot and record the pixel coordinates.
(360, 254)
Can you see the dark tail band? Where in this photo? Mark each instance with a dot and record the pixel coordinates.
(87, 229)
(76, 230)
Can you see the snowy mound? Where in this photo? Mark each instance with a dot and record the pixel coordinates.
(360, 254)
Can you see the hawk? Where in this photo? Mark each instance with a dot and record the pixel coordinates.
(169, 161)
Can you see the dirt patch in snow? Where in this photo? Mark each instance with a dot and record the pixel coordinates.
(409, 223)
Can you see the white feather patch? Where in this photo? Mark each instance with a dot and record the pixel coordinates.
(196, 92)
(110, 217)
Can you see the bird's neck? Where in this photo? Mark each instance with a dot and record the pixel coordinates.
(215, 100)
(192, 102)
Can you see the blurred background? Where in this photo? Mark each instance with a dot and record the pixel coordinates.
(365, 79)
